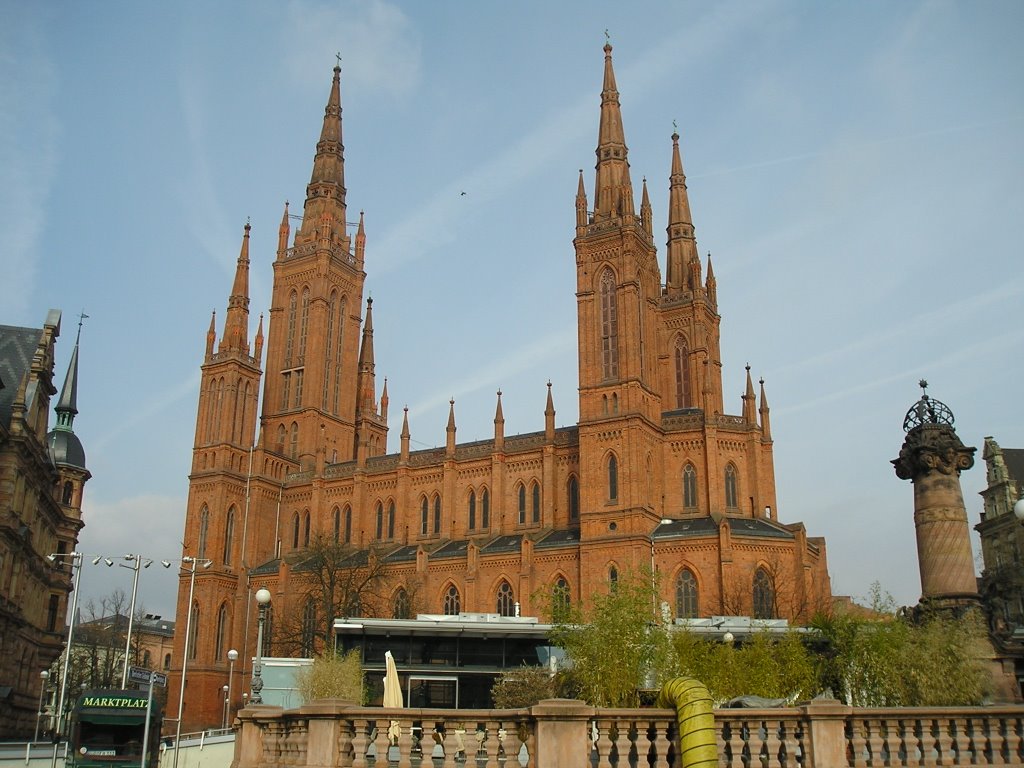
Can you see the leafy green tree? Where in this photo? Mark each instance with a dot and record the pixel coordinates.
(332, 676)
(763, 665)
(615, 642)
(889, 660)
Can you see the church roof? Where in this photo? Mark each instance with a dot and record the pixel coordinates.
(503, 544)
(563, 538)
(17, 345)
(402, 554)
(451, 549)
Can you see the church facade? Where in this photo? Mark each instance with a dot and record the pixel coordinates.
(655, 476)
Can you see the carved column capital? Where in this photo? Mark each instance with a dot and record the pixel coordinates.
(932, 448)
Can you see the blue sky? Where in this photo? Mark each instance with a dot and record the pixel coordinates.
(854, 168)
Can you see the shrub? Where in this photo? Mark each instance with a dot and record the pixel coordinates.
(332, 676)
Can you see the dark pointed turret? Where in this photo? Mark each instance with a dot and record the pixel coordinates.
(65, 448)
(613, 190)
(367, 384)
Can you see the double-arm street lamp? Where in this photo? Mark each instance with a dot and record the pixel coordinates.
(189, 565)
(76, 564)
(133, 562)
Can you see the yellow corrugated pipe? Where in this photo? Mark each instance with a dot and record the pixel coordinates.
(698, 747)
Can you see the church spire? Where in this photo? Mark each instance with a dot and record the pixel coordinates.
(236, 334)
(612, 189)
(682, 245)
(367, 388)
(325, 193)
(766, 425)
(67, 407)
(749, 401)
(549, 417)
(211, 334)
(283, 232)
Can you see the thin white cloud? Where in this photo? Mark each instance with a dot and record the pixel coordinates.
(548, 142)
(29, 131)
(145, 413)
(502, 368)
(377, 42)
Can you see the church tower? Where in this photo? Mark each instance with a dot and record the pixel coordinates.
(618, 283)
(311, 399)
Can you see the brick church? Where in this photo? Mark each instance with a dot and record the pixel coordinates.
(655, 474)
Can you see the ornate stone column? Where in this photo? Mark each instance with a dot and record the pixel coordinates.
(932, 458)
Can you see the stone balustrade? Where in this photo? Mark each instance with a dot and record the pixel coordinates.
(565, 734)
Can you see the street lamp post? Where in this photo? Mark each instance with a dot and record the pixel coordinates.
(232, 657)
(76, 562)
(43, 676)
(225, 690)
(193, 562)
(263, 598)
(137, 561)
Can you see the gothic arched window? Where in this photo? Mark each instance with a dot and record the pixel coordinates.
(337, 525)
(348, 524)
(730, 487)
(401, 607)
(328, 348)
(613, 478)
(391, 520)
(689, 487)
(613, 577)
(609, 327)
(305, 529)
(337, 356)
(193, 632)
(452, 604)
(229, 534)
(295, 440)
(682, 374)
(303, 326)
(424, 517)
(535, 501)
(222, 629)
(471, 510)
(485, 509)
(380, 521)
(560, 600)
(437, 514)
(521, 493)
(204, 529)
(686, 594)
(506, 600)
(308, 636)
(764, 595)
(295, 531)
(574, 498)
(289, 344)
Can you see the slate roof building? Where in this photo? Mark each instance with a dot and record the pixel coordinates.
(655, 475)
(42, 476)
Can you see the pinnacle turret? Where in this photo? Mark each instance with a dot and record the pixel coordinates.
(682, 244)
(613, 189)
(236, 335)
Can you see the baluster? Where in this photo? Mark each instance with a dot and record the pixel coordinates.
(858, 742)
(492, 743)
(405, 744)
(875, 741)
(450, 745)
(963, 743)
(770, 747)
(737, 741)
(381, 743)
(359, 743)
(943, 743)
(344, 743)
(622, 742)
(891, 742)
(604, 743)
(658, 737)
(527, 735)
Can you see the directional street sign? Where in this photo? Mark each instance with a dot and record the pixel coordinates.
(142, 675)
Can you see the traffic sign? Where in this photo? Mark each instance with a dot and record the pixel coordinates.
(143, 676)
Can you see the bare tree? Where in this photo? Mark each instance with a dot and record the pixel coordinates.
(331, 579)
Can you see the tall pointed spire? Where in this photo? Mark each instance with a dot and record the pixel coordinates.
(711, 286)
(646, 215)
(581, 204)
(749, 401)
(499, 425)
(549, 417)
(67, 407)
(682, 244)
(367, 386)
(766, 425)
(211, 334)
(283, 232)
(405, 436)
(613, 189)
(259, 340)
(450, 443)
(236, 333)
(325, 193)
